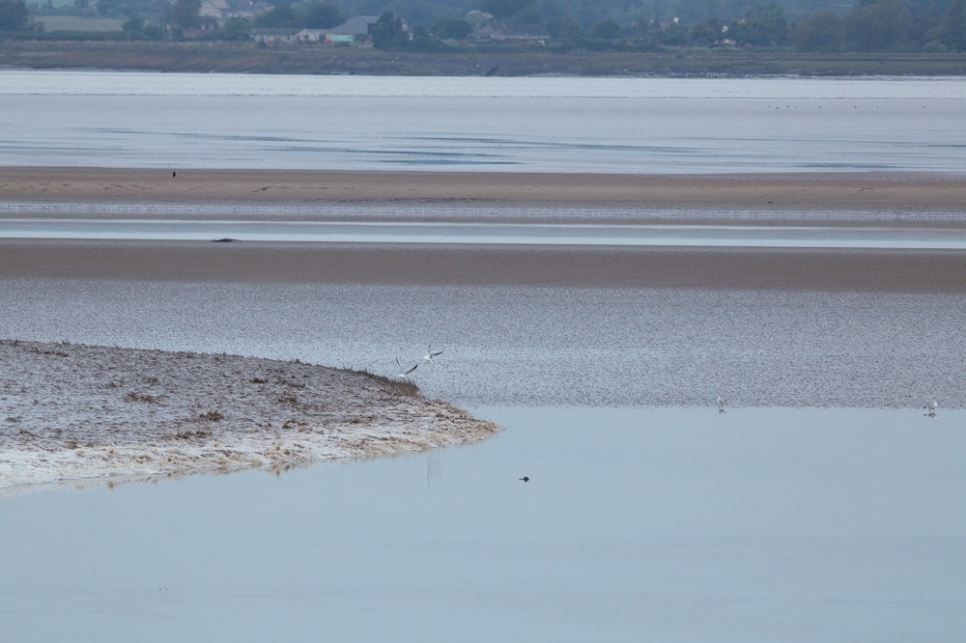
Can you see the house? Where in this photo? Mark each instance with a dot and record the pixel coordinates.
(248, 10)
(352, 30)
(324, 37)
(310, 36)
(217, 10)
(522, 34)
(339, 39)
(276, 36)
(357, 26)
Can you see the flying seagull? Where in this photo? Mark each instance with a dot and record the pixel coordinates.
(405, 374)
(430, 354)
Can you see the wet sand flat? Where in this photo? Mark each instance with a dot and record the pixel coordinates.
(834, 270)
(761, 326)
(813, 191)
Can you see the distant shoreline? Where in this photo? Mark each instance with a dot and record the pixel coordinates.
(246, 57)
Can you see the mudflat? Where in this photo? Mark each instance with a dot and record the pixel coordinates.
(833, 270)
(769, 198)
(819, 191)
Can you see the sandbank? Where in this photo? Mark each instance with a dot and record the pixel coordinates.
(886, 199)
(81, 413)
(933, 271)
(878, 192)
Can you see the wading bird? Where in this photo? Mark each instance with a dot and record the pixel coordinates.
(430, 354)
(405, 374)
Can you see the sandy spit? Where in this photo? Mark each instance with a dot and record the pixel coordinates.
(75, 414)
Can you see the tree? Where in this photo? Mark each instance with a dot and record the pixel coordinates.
(707, 32)
(185, 13)
(564, 28)
(676, 34)
(237, 29)
(821, 31)
(388, 32)
(516, 10)
(762, 27)
(954, 26)
(14, 15)
(110, 8)
(881, 26)
(133, 26)
(451, 28)
(282, 17)
(606, 30)
(320, 15)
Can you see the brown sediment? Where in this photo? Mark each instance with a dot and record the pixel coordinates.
(816, 191)
(736, 268)
(936, 271)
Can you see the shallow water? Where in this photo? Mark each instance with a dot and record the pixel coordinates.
(682, 126)
(547, 234)
(539, 346)
(665, 521)
(672, 524)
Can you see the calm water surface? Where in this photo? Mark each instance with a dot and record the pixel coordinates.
(540, 346)
(681, 126)
(681, 524)
(782, 525)
(649, 516)
(546, 234)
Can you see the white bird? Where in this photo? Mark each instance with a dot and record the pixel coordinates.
(932, 406)
(430, 354)
(403, 374)
(721, 408)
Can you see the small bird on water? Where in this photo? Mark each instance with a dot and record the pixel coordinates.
(525, 478)
(721, 408)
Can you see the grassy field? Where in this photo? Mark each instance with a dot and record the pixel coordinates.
(247, 57)
(76, 23)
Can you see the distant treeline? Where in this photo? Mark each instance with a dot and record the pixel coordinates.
(933, 26)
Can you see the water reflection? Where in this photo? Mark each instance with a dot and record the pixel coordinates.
(490, 233)
(647, 125)
(671, 524)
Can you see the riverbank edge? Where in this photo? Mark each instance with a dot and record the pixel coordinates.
(246, 57)
(76, 415)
